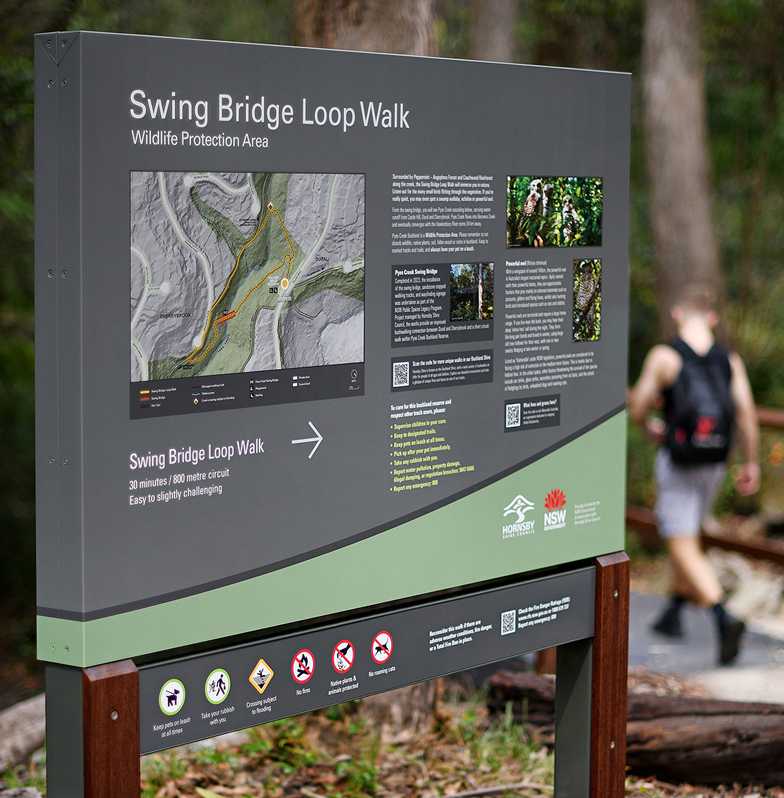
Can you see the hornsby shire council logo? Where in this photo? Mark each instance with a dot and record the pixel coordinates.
(555, 510)
(518, 507)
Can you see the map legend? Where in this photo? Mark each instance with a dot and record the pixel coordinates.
(232, 391)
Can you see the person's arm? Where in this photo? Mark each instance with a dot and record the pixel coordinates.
(747, 479)
(658, 371)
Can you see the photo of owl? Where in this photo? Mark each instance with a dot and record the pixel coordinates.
(554, 211)
(587, 299)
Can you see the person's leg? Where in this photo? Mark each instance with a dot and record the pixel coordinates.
(693, 573)
(684, 497)
(698, 579)
(730, 629)
(677, 513)
(692, 580)
(678, 585)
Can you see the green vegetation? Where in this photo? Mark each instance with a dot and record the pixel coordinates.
(352, 284)
(554, 211)
(31, 774)
(471, 291)
(491, 745)
(339, 753)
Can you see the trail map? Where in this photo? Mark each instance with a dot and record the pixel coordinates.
(234, 272)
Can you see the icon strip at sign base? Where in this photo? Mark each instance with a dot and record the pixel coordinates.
(367, 655)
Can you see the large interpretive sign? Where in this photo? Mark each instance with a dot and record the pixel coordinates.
(318, 332)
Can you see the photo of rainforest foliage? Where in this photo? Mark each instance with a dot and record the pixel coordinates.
(471, 294)
(554, 211)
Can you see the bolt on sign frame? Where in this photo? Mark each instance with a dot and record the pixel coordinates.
(330, 373)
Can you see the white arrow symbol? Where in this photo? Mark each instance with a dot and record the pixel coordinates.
(317, 440)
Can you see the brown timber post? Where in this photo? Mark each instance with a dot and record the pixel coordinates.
(546, 661)
(609, 677)
(111, 731)
(92, 729)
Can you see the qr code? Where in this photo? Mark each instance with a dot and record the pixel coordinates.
(508, 622)
(400, 374)
(512, 415)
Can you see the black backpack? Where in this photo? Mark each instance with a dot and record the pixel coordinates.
(699, 409)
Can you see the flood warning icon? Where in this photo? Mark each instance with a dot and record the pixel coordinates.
(261, 676)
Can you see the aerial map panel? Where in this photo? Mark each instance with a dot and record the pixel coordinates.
(243, 272)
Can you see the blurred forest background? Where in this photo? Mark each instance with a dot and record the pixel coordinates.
(707, 168)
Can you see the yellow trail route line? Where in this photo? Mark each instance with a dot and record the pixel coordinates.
(209, 325)
(212, 327)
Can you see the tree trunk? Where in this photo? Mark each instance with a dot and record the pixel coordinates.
(403, 26)
(674, 738)
(494, 29)
(678, 164)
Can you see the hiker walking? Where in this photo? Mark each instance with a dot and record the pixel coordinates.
(707, 404)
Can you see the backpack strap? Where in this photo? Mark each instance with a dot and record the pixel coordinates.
(683, 349)
(722, 356)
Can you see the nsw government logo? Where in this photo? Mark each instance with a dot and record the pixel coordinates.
(555, 510)
(518, 508)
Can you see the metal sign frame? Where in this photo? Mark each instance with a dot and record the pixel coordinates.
(100, 720)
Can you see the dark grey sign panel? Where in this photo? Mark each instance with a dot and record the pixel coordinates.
(236, 688)
(288, 303)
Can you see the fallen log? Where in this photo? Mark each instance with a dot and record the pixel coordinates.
(674, 738)
(22, 731)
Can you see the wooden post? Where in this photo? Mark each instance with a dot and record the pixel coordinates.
(546, 661)
(92, 731)
(111, 731)
(609, 673)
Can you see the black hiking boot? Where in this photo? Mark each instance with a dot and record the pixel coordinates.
(731, 633)
(669, 623)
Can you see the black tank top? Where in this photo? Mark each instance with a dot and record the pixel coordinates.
(698, 406)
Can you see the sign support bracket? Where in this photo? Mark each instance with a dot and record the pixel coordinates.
(591, 694)
(93, 728)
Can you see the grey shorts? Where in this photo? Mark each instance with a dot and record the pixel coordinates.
(684, 495)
